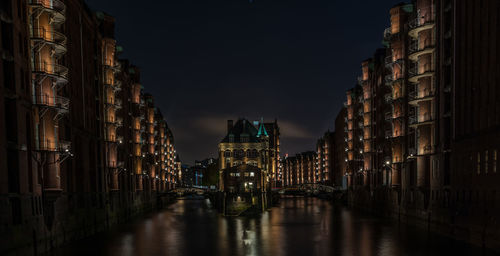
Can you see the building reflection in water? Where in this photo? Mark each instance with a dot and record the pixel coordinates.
(298, 226)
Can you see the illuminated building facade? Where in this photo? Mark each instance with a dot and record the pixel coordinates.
(301, 169)
(247, 144)
(71, 132)
(325, 160)
(422, 123)
(273, 131)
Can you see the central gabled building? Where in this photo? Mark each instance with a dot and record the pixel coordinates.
(246, 143)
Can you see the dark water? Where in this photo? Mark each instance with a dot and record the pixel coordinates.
(298, 226)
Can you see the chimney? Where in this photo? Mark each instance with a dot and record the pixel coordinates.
(229, 125)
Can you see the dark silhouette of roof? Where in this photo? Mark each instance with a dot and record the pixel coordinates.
(242, 128)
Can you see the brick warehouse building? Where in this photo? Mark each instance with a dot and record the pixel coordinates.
(301, 169)
(423, 121)
(85, 146)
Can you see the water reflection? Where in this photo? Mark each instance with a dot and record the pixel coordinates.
(298, 226)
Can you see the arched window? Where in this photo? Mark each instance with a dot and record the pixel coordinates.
(239, 153)
(227, 153)
(252, 153)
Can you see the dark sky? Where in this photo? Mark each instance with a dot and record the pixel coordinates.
(208, 61)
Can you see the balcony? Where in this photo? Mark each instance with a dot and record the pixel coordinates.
(415, 74)
(422, 119)
(118, 103)
(416, 97)
(61, 146)
(397, 133)
(56, 71)
(56, 7)
(49, 36)
(397, 159)
(109, 82)
(416, 51)
(119, 122)
(387, 33)
(420, 24)
(388, 97)
(57, 102)
(389, 79)
(388, 61)
(426, 150)
(112, 64)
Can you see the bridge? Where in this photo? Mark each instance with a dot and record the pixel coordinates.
(310, 189)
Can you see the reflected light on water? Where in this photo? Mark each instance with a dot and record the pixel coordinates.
(297, 226)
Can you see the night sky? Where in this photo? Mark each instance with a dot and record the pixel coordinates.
(209, 61)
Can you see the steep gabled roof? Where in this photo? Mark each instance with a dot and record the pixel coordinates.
(242, 128)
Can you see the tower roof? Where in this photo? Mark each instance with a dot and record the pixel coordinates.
(242, 128)
(262, 130)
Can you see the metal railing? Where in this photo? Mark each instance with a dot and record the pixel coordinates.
(415, 95)
(109, 81)
(389, 78)
(412, 119)
(388, 97)
(54, 146)
(389, 60)
(427, 149)
(111, 63)
(48, 35)
(396, 159)
(51, 69)
(413, 71)
(51, 101)
(418, 22)
(413, 47)
(55, 5)
(119, 121)
(387, 32)
(421, 118)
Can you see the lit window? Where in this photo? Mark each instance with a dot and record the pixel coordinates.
(252, 174)
(495, 161)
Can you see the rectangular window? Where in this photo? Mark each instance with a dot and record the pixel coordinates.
(486, 161)
(494, 161)
(478, 163)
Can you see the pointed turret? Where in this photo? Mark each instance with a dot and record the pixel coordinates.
(262, 129)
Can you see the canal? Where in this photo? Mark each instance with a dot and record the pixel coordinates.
(298, 226)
